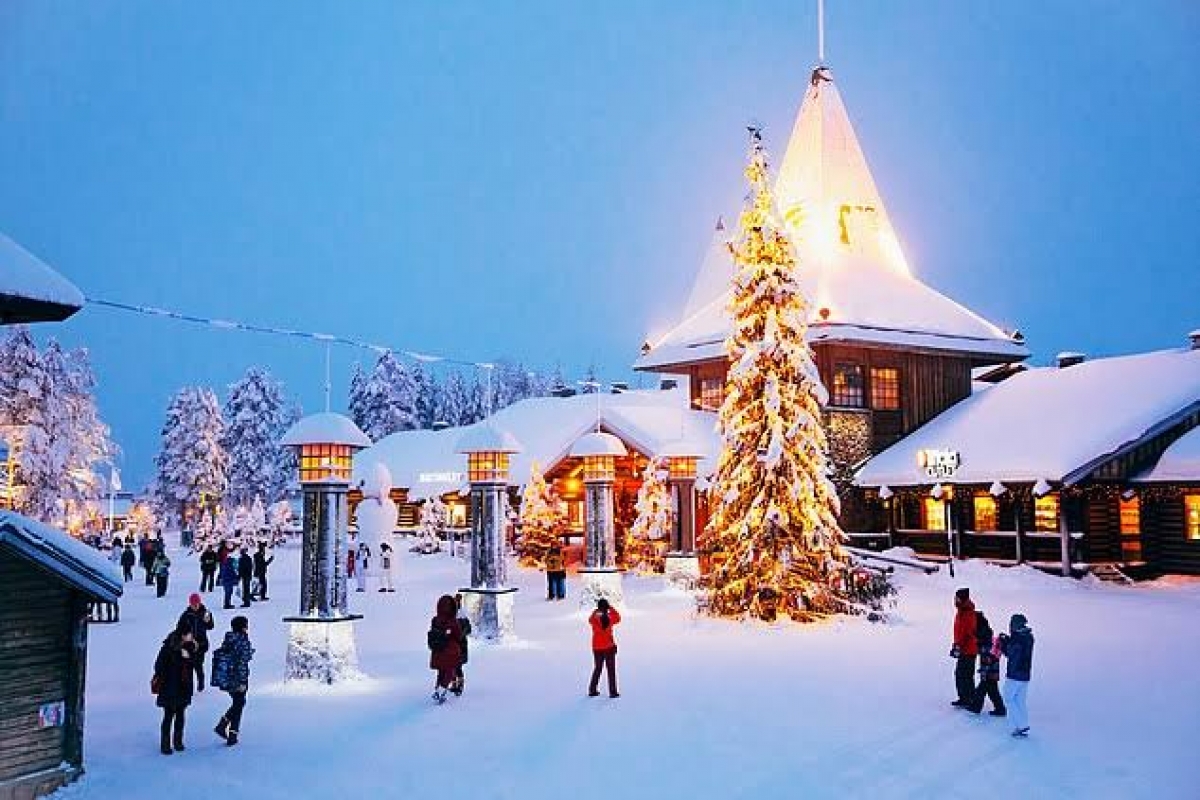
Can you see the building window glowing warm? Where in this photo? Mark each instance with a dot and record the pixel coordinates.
(1191, 517)
(986, 518)
(682, 467)
(1045, 513)
(1131, 516)
(321, 462)
(599, 468)
(712, 393)
(885, 388)
(487, 467)
(933, 514)
(848, 385)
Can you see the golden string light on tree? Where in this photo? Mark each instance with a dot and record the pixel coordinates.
(773, 539)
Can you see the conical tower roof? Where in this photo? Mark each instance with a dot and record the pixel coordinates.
(851, 265)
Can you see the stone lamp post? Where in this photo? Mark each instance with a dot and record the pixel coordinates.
(321, 637)
(489, 600)
(682, 566)
(600, 575)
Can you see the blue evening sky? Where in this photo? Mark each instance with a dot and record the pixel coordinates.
(538, 179)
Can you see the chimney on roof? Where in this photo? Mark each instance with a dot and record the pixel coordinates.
(618, 387)
(440, 425)
(1194, 338)
(1069, 359)
(666, 384)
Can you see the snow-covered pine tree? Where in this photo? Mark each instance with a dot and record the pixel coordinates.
(479, 407)
(191, 466)
(454, 402)
(426, 393)
(279, 521)
(386, 400)
(645, 539)
(435, 518)
(356, 401)
(89, 436)
(255, 413)
(773, 537)
(257, 521)
(287, 460)
(540, 520)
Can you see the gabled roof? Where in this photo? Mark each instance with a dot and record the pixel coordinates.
(1049, 423)
(1179, 463)
(74, 562)
(850, 263)
(427, 462)
(30, 291)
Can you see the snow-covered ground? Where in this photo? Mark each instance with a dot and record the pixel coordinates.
(709, 708)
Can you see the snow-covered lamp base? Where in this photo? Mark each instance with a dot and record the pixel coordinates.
(600, 582)
(322, 650)
(682, 570)
(490, 612)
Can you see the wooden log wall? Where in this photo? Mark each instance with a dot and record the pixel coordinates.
(1163, 540)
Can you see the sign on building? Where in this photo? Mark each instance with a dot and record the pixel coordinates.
(939, 464)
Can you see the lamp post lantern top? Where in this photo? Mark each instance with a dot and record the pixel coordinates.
(325, 443)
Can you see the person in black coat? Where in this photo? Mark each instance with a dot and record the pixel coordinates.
(199, 621)
(128, 559)
(208, 569)
(245, 568)
(261, 562)
(173, 681)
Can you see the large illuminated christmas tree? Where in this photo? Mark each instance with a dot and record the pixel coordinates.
(540, 519)
(773, 538)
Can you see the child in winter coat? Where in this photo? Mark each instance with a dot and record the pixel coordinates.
(445, 646)
(172, 683)
(1017, 647)
(989, 669)
(231, 673)
(604, 647)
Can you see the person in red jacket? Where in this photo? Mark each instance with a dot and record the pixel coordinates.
(604, 647)
(445, 646)
(964, 649)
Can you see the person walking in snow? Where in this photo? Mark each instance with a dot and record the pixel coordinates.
(128, 559)
(351, 559)
(1017, 647)
(604, 647)
(464, 625)
(386, 557)
(364, 564)
(229, 579)
(172, 684)
(208, 569)
(199, 621)
(445, 646)
(964, 649)
(146, 555)
(556, 573)
(261, 562)
(232, 659)
(118, 549)
(245, 571)
(989, 668)
(162, 572)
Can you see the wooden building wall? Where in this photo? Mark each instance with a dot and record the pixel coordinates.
(1163, 540)
(41, 660)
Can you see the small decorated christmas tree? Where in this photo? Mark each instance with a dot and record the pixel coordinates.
(645, 540)
(435, 517)
(279, 521)
(540, 520)
(773, 539)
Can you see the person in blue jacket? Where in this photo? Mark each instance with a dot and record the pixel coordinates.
(229, 579)
(235, 654)
(1017, 647)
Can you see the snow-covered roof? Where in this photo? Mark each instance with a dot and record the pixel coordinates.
(850, 263)
(327, 427)
(485, 438)
(1179, 463)
(428, 462)
(71, 560)
(598, 443)
(1050, 423)
(30, 291)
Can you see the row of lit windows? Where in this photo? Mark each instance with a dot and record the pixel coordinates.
(320, 462)
(849, 390)
(1046, 510)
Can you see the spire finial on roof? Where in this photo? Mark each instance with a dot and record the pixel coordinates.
(721, 222)
(821, 32)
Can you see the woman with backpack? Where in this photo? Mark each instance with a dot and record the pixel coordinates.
(464, 625)
(604, 647)
(231, 673)
(445, 646)
(172, 684)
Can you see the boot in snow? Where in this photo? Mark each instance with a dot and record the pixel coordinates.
(222, 728)
(439, 695)
(232, 738)
(1020, 733)
(165, 747)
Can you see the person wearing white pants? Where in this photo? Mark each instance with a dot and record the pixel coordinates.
(364, 564)
(1017, 647)
(385, 563)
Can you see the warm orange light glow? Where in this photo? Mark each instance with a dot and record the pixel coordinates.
(487, 467)
(1045, 513)
(599, 468)
(325, 462)
(934, 512)
(1131, 515)
(1191, 516)
(985, 513)
(682, 467)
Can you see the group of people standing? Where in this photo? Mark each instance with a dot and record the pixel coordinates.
(150, 555)
(974, 639)
(179, 672)
(360, 565)
(236, 570)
